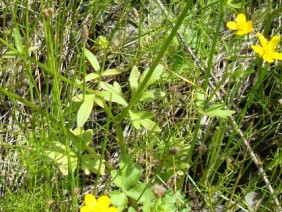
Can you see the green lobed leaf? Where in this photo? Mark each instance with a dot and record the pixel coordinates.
(143, 118)
(140, 115)
(141, 189)
(92, 165)
(137, 116)
(118, 199)
(92, 59)
(128, 175)
(59, 154)
(85, 136)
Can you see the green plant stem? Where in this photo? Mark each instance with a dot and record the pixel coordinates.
(270, 19)
(207, 75)
(214, 44)
(161, 53)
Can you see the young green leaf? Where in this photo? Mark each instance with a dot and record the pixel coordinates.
(128, 175)
(112, 93)
(143, 118)
(216, 110)
(133, 80)
(155, 76)
(118, 199)
(140, 188)
(92, 165)
(58, 153)
(18, 40)
(152, 95)
(91, 76)
(84, 110)
(85, 136)
(92, 59)
(112, 72)
(150, 125)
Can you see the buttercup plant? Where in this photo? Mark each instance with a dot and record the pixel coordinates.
(102, 204)
(166, 119)
(267, 49)
(242, 26)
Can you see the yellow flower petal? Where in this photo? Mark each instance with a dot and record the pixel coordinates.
(241, 19)
(85, 209)
(242, 26)
(90, 201)
(263, 40)
(232, 25)
(268, 58)
(104, 201)
(274, 42)
(242, 32)
(277, 56)
(249, 25)
(258, 49)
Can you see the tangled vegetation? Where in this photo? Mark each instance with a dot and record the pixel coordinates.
(156, 105)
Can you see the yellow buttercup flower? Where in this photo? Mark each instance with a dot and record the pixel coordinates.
(267, 48)
(102, 204)
(242, 26)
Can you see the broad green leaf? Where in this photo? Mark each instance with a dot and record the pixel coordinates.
(91, 76)
(118, 199)
(112, 72)
(18, 40)
(155, 76)
(169, 202)
(128, 175)
(113, 93)
(137, 190)
(84, 111)
(91, 165)
(133, 80)
(150, 125)
(140, 115)
(59, 154)
(117, 89)
(79, 97)
(92, 59)
(131, 209)
(143, 118)
(220, 113)
(137, 116)
(214, 107)
(85, 136)
(99, 102)
(216, 110)
(152, 95)
(112, 97)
